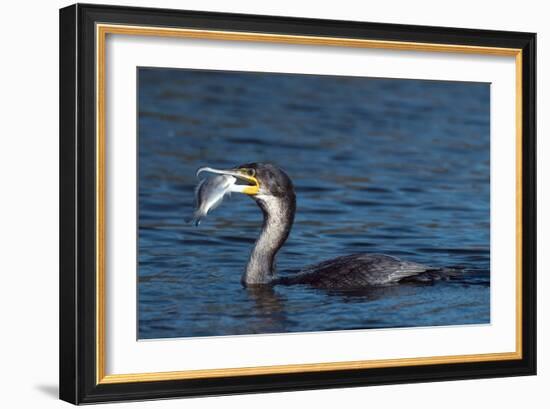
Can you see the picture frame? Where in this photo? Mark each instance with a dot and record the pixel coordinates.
(83, 180)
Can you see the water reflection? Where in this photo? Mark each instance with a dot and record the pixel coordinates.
(269, 308)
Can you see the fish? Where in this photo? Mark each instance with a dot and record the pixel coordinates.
(209, 194)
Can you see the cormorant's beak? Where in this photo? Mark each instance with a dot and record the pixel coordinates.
(252, 186)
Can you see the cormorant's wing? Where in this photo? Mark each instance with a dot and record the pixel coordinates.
(357, 271)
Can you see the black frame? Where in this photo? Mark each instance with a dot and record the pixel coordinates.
(77, 204)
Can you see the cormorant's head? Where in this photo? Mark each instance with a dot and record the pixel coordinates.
(259, 180)
(269, 179)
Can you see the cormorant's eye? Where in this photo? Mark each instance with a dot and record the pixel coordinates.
(250, 172)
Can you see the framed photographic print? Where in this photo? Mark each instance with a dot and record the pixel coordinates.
(257, 203)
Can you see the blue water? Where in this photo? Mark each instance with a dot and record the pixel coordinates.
(379, 165)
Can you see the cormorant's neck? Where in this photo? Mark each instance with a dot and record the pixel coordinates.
(278, 214)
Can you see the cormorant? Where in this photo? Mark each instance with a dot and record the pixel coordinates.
(273, 191)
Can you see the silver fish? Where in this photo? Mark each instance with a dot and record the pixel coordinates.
(209, 194)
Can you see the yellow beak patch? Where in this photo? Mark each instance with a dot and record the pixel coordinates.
(254, 188)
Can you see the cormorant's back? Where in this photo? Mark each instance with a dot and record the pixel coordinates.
(363, 270)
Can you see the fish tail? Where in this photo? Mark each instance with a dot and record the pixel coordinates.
(195, 219)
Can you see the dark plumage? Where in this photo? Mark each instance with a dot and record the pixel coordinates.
(356, 271)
